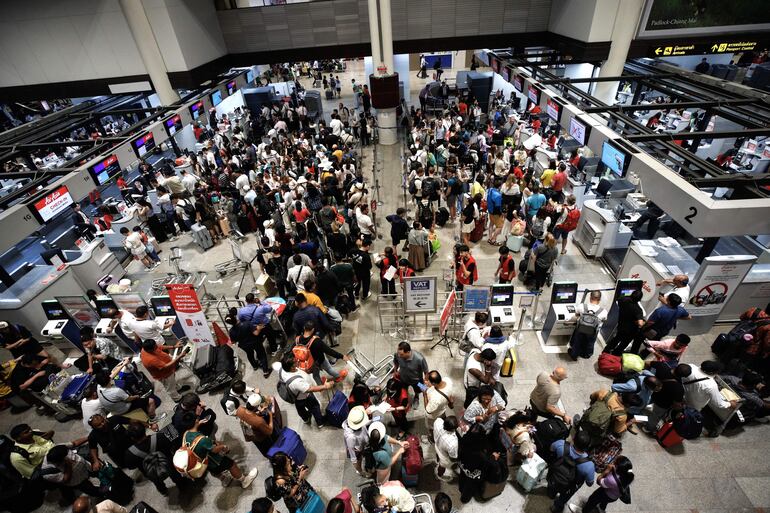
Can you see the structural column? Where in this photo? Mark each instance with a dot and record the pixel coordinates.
(384, 81)
(140, 27)
(627, 19)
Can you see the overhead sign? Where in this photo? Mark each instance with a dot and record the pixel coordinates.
(666, 49)
(476, 299)
(701, 17)
(53, 203)
(420, 294)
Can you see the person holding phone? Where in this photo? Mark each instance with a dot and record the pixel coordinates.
(162, 367)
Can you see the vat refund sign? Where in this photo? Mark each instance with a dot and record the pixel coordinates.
(420, 294)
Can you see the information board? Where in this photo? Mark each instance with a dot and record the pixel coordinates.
(476, 299)
(420, 294)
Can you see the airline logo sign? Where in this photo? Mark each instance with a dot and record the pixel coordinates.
(420, 294)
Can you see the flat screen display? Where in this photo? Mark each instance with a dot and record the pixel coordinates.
(105, 170)
(534, 95)
(494, 64)
(143, 144)
(173, 124)
(502, 298)
(249, 76)
(54, 311)
(579, 131)
(627, 287)
(216, 98)
(615, 159)
(104, 307)
(49, 206)
(518, 83)
(162, 306)
(553, 109)
(196, 109)
(506, 73)
(231, 88)
(564, 292)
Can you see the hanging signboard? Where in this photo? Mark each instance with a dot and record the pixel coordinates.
(420, 294)
(190, 313)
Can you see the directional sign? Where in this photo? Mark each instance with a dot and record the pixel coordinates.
(666, 49)
(420, 294)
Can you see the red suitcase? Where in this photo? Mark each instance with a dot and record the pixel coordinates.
(667, 436)
(478, 231)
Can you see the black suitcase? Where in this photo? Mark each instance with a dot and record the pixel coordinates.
(205, 360)
(442, 216)
(143, 507)
(121, 488)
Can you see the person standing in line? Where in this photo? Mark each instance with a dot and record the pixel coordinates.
(438, 398)
(664, 318)
(423, 73)
(362, 265)
(679, 284)
(162, 367)
(303, 390)
(630, 321)
(544, 398)
(355, 435)
(412, 370)
(585, 471)
(447, 445)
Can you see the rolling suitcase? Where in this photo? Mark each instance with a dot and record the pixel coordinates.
(667, 436)
(478, 231)
(411, 462)
(224, 225)
(205, 359)
(329, 94)
(73, 392)
(290, 443)
(201, 236)
(442, 216)
(509, 363)
(515, 242)
(337, 410)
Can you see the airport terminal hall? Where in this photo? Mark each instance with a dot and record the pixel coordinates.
(385, 256)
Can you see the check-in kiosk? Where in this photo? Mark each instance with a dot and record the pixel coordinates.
(501, 309)
(560, 321)
(105, 306)
(163, 310)
(60, 327)
(623, 288)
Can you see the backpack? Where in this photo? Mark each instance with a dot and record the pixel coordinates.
(571, 221)
(189, 209)
(562, 473)
(412, 187)
(154, 463)
(597, 418)
(688, 423)
(429, 189)
(186, 462)
(414, 163)
(284, 392)
(302, 354)
(588, 323)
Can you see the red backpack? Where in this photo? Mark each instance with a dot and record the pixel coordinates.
(413, 456)
(302, 354)
(570, 223)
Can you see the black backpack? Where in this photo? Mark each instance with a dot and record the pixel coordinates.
(429, 189)
(562, 473)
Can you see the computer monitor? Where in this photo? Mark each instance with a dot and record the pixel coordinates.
(502, 295)
(615, 159)
(564, 292)
(105, 306)
(54, 311)
(626, 287)
(603, 189)
(162, 306)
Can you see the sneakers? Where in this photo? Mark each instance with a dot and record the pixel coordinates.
(447, 477)
(574, 508)
(367, 297)
(267, 373)
(249, 478)
(158, 418)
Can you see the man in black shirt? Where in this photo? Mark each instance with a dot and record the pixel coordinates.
(110, 435)
(160, 449)
(671, 393)
(191, 402)
(630, 320)
(346, 278)
(362, 265)
(703, 66)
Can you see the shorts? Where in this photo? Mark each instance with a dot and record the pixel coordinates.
(496, 220)
(139, 253)
(558, 233)
(468, 227)
(217, 467)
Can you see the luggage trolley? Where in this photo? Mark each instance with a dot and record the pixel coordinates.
(724, 416)
(366, 371)
(423, 503)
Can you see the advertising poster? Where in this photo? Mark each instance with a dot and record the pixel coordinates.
(716, 281)
(446, 312)
(690, 17)
(190, 313)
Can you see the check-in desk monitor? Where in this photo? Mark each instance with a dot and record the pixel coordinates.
(501, 304)
(163, 309)
(104, 306)
(59, 325)
(560, 321)
(564, 292)
(624, 288)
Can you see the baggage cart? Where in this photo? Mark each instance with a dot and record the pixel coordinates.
(724, 416)
(366, 371)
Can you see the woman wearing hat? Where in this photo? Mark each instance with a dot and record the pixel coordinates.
(379, 456)
(356, 435)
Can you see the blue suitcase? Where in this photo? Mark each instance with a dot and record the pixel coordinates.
(409, 480)
(337, 410)
(73, 392)
(290, 443)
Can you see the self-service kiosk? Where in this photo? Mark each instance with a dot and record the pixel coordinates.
(105, 306)
(623, 288)
(60, 327)
(163, 310)
(501, 309)
(560, 321)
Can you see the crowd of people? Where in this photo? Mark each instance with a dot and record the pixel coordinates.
(299, 186)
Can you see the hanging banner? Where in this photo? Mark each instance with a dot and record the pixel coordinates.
(190, 313)
(715, 283)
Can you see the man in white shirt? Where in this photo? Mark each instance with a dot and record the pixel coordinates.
(679, 285)
(437, 397)
(473, 331)
(299, 273)
(355, 435)
(590, 318)
(336, 125)
(145, 328)
(242, 183)
(479, 370)
(300, 386)
(447, 443)
(365, 223)
(189, 181)
(700, 389)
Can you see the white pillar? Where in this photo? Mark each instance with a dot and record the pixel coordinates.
(374, 35)
(387, 35)
(140, 28)
(623, 31)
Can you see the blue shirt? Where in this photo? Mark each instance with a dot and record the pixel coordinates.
(255, 314)
(664, 319)
(643, 391)
(534, 203)
(586, 472)
(494, 201)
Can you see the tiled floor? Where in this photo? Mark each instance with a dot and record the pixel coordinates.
(728, 474)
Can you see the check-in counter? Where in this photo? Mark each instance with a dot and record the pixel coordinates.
(93, 261)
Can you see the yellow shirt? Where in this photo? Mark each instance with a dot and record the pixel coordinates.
(313, 299)
(547, 177)
(5, 377)
(477, 188)
(338, 154)
(37, 451)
